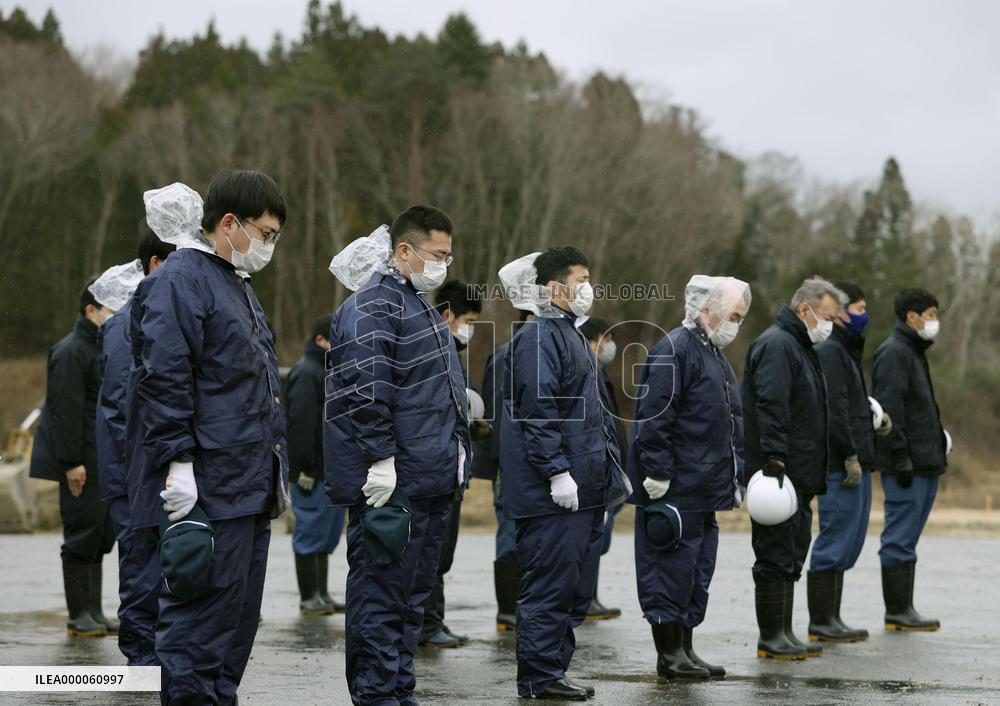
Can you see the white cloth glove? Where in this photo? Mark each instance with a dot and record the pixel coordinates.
(461, 462)
(562, 488)
(656, 489)
(381, 482)
(181, 491)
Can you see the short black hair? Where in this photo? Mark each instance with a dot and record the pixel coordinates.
(87, 298)
(555, 264)
(594, 329)
(151, 246)
(454, 296)
(321, 327)
(244, 193)
(913, 299)
(419, 221)
(853, 291)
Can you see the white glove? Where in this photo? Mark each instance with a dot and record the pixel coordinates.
(562, 488)
(381, 482)
(181, 491)
(461, 462)
(656, 489)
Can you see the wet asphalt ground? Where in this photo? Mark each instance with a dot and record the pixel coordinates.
(300, 660)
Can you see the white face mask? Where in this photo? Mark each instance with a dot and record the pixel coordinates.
(607, 352)
(432, 277)
(583, 300)
(463, 332)
(253, 260)
(930, 330)
(822, 331)
(725, 334)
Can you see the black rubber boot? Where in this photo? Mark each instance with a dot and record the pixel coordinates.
(859, 633)
(811, 650)
(822, 593)
(671, 660)
(96, 610)
(322, 569)
(599, 611)
(507, 582)
(897, 589)
(714, 670)
(774, 643)
(76, 582)
(307, 573)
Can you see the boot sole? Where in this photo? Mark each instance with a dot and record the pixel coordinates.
(836, 640)
(763, 654)
(905, 628)
(602, 617)
(501, 627)
(316, 612)
(87, 633)
(441, 647)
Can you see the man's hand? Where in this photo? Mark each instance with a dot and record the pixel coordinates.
(903, 467)
(381, 482)
(181, 492)
(76, 478)
(775, 469)
(852, 472)
(563, 488)
(306, 483)
(886, 428)
(655, 489)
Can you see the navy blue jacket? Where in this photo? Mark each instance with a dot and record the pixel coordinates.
(688, 426)
(204, 387)
(784, 404)
(65, 435)
(486, 453)
(851, 430)
(114, 344)
(304, 405)
(394, 387)
(555, 421)
(901, 382)
(610, 401)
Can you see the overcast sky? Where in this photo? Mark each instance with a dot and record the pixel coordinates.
(841, 84)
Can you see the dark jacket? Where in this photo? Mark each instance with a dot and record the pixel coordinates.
(555, 421)
(784, 404)
(486, 452)
(901, 382)
(65, 436)
(688, 426)
(304, 412)
(394, 387)
(851, 430)
(114, 345)
(204, 387)
(610, 401)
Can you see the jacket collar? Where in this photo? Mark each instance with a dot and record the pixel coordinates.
(910, 337)
(86, 328)
(854, 343)
(788, 321)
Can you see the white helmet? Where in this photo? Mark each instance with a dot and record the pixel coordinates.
(947, 443)
(477, 408)
(878, 414)
(769, 504)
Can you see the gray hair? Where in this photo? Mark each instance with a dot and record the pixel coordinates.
(812, 291)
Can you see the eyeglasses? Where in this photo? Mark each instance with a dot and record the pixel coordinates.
(438, 257)
(270, 237)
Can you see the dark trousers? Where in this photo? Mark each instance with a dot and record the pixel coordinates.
(434, 608)
(673, 586)
(781, 549)
(906, 512)
(843, 523)
(385, 607)
(203, 645)
(506, 542)
(317, 525)
(139, 581)
(559, 555)
(88, 533)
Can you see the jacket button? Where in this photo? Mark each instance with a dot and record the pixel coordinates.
(277, 400)
(277, 447)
